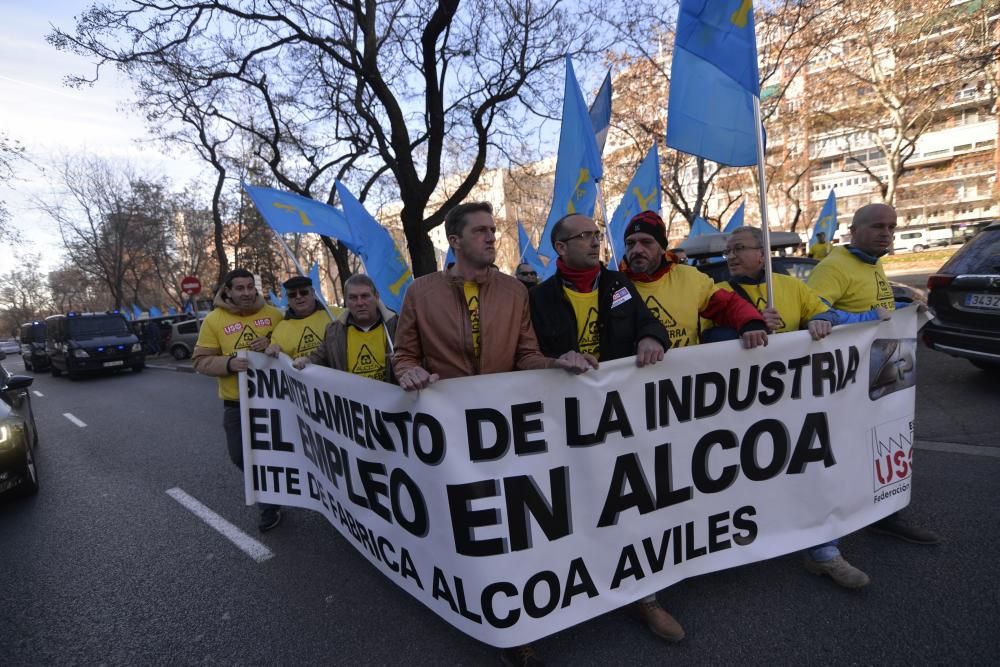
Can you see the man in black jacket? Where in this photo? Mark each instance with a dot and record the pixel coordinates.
(588, 310)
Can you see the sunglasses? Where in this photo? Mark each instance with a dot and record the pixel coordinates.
(529, 273)
(295, 293)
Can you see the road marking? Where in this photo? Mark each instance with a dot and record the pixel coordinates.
(958, 448)
(38, 393)
(69, 416)
(247, 544)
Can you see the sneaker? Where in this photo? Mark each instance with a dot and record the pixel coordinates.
(656, 618)
(269, 518)
(840, 571)
(520, 656)
(896, 526)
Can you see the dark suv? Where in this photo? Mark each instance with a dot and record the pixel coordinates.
(965, 298)
(33, 355)
(80, 342)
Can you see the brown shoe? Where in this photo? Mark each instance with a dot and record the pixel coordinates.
(840, 571)
(656, 618)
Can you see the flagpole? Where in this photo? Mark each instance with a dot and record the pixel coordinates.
(298, 266)
(762, 196)
(607, 225)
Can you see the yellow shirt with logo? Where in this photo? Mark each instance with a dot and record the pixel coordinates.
(472, 302)
(675, 299)
(299, 337)
(229, 333)
(588, 333)
(848, 283)
(366, 352)
(794, 301)
(820, 250)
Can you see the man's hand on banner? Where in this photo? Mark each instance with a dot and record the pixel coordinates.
(772, 319)
(820, 329)
(300, 362)
(576, 362)
(259, 344)
(648, 352)
(417, 378)
(883, 314)
(238, 364)
(752, 339)
(272, 350)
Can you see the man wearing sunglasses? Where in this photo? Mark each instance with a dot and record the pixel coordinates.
(527, 275)
(305, 321)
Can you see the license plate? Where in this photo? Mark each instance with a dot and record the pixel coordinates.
(991, 301)
(113, 363)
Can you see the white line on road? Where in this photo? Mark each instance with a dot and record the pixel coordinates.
(247, 544)
(69, 416)
(37, 393)
(958, 448)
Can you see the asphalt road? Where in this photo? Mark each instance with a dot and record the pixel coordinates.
(103, 567)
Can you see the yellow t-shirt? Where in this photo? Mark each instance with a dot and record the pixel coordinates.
(794, 301)
(472, 302)
(847, 283)
(820, 250)
(228, 333)
(676, 299)
(366, 352)
(588, 333)
(299, 337)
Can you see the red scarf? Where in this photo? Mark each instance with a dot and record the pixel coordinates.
(582, 279)
(667, 263)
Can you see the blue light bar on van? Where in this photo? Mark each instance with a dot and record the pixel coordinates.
(100, 349)
(72, 313)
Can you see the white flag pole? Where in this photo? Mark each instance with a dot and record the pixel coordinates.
(762, 196)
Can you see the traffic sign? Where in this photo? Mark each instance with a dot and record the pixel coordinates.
(190, 285)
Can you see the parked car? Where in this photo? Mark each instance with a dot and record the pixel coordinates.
(10, 347)
(707, 251)
(910, 240)
(82, 342)
(183, 336)
(965, 299)
(18, 435)
(33, 346)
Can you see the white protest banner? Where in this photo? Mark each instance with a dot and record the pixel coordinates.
(518, 504)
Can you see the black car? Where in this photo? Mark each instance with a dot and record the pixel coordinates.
(965, 298)
(33, 354)
(18, 435)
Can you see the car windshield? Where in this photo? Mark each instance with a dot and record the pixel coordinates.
(979, 255)
(99, 325)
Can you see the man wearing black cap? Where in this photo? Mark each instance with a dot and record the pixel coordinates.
(305, 321)
(677, 294)
(240, 321)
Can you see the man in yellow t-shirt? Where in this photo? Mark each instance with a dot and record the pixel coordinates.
(240, 321)
(305, 321)
(359, 341)
(851, 278)
(821, 248)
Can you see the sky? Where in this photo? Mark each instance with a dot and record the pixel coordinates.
(50, 120)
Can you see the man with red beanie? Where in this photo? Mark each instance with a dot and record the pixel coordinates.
(677, 294)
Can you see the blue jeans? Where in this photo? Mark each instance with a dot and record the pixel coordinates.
(822, 553)
(234, 440)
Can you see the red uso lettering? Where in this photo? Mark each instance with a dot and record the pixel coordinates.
(263, 322)
(235, 327)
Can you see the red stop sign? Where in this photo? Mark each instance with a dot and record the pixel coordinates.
(191, 285)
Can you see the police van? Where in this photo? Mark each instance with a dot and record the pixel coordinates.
(32, 337)
(77, 343)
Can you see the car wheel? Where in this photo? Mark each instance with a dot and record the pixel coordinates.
(30, 485)
(138, 369)
(27, 364)
(55, 371)
(180, 352)
(918, 248)
(988, 366)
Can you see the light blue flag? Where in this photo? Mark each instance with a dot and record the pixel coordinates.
(317, 283)
(278, 301)
(600, 114)
(449, 258)
(155, 312)
(713, 80)
(136, 312)
(578, 165)
(528, 253)
(736, 221)
(171, 311)
(701, 227)
(189, 307)
(827, 221)
(643, 194)
(288, 213)
(384, 262)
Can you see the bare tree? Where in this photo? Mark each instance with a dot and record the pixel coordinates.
(23, 295)
(11, 151)
(392, 84)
